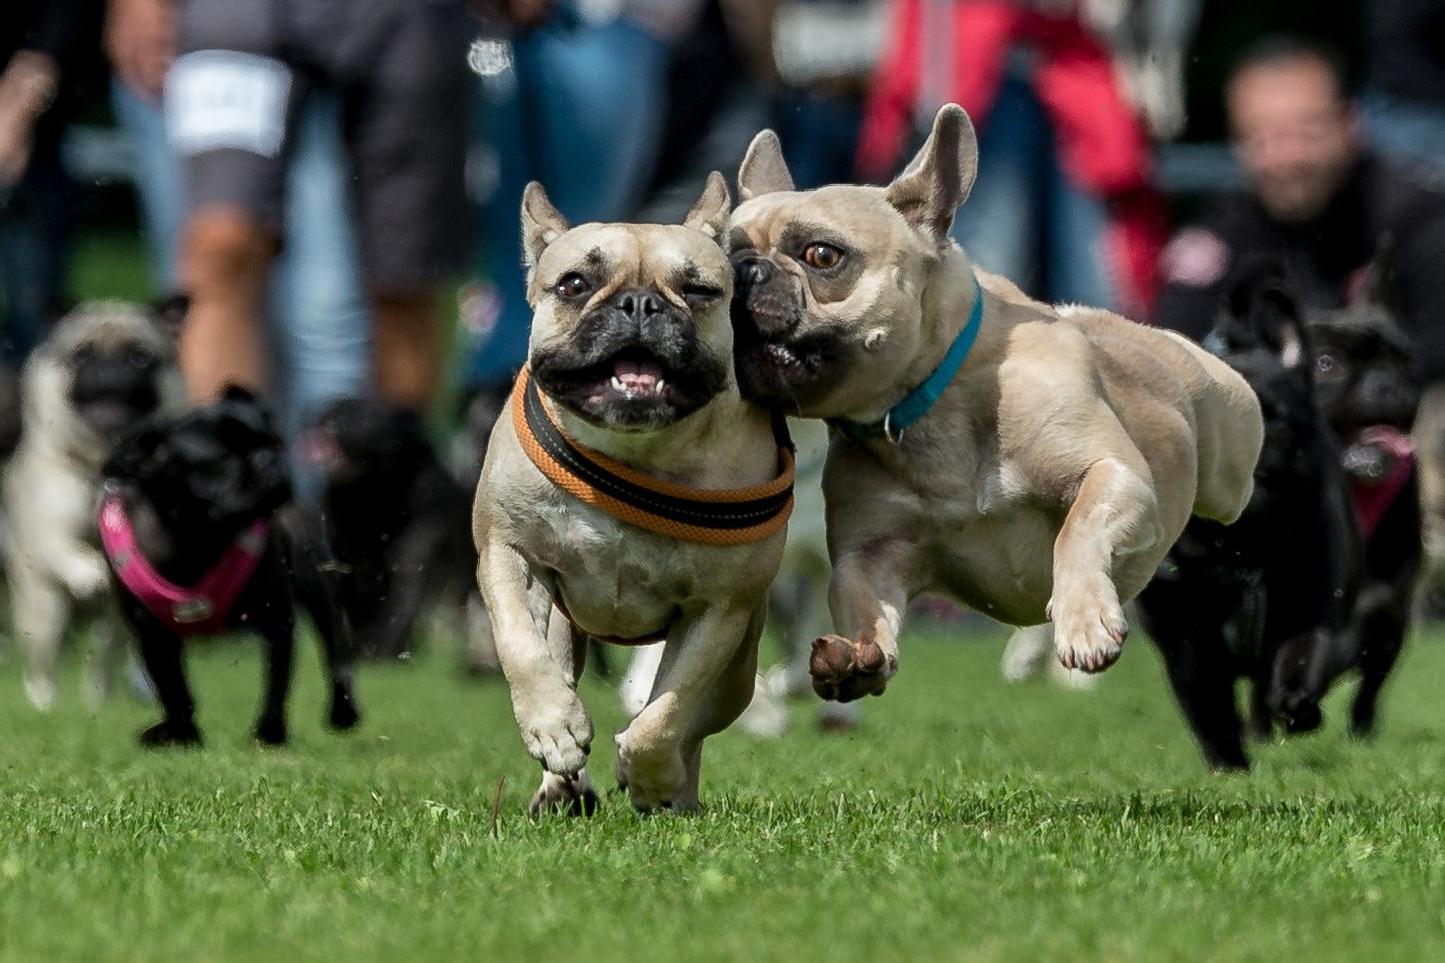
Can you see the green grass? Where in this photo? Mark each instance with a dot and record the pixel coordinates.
(967, 819)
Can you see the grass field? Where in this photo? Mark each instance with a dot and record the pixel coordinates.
(966, 819)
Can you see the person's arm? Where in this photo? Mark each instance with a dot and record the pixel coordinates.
(140, 39)
(28, 86)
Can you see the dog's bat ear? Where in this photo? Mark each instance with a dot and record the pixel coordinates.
(541, 223)
(1261, 310)
(171, 311)
(939, 178)
(1380, 280)
(710, 214)
(763, 169)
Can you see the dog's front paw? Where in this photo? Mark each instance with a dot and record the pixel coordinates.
(844, 670)
(168, 733)
(1089, 629)
(86, 576)
(40, 690)
(570, 795)
(271, 731)
(559, 736)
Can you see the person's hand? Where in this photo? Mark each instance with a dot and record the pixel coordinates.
(27, 88)
(140, 39)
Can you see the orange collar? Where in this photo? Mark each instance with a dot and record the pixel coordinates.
(707, 516)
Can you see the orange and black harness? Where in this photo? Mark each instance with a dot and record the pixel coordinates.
(705, 516)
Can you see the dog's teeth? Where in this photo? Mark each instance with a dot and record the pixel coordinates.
(658, 386)
(617, 385)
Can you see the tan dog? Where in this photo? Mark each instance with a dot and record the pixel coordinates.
(1055, 468)
(102, 369)
(631, 348)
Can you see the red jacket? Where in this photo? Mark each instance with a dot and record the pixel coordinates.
(1101, 142)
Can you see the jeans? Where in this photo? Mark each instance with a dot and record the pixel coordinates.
(1024, 219)
(581, 112)
(34, 236)
(318, 319)
(820, 135)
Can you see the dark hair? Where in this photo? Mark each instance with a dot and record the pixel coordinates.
(1278, 50)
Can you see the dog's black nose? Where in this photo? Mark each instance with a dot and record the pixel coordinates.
(638, 303)
(754, 270)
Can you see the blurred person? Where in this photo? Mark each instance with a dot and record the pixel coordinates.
(1325, 203)
(233, 104)
(317, 312)
(1405, 97)
(825, 52)
(1063, 203)
(574, 96)
(1317, 197)
(46, 48)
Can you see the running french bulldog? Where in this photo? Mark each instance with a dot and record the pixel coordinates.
(1036, 462)
(629, 493)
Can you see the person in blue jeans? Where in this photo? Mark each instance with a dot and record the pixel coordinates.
(578, 105)
(318, 318)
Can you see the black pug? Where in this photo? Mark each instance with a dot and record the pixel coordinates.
(201, 538)
(1266, 598)
(395, 520)
(1365, 387)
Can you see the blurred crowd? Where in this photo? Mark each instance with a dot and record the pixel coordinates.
(320, 179)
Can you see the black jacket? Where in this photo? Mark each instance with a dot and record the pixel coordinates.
(1325, 256)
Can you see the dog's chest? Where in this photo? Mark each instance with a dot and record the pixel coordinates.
(616, 580)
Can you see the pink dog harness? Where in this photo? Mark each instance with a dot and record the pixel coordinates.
(1372, 500)
(201, 608)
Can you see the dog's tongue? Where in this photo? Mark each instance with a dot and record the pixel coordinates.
(637, 375)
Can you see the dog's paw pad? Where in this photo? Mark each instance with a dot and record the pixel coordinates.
(844, 670)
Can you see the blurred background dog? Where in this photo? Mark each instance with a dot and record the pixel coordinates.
(201, 538)
(395, 521)
(1267, 598)
(103, 368)
(1367, 390)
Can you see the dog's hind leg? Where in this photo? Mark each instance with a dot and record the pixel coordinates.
(1381, 626)
(109, 653)
(339, 650)
(280, 659)
(1204, 686)
(161, 654)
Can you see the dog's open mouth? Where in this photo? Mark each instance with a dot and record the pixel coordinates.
(635, 376)
(111, 414)
(632, 388)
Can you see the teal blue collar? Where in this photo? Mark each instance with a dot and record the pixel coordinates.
(918, 401)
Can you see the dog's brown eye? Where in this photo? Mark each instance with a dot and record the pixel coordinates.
(1328, 368)
(822, 256)
(571, 286)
